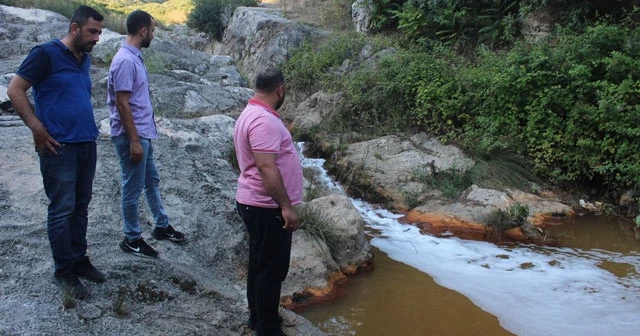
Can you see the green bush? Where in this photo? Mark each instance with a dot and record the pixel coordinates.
(571, 105)
(210, 16)
(315, 67)
(463, 24)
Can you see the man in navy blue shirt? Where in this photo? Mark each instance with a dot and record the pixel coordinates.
(64, 133)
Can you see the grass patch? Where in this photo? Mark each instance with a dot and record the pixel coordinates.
(316, 225)
(501, 220)
(412, 199)
(451, 183)
(119, 305)
(68, 300)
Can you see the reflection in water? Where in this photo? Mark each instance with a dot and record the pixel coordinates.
(590, 287)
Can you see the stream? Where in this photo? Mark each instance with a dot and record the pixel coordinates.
(426, 285)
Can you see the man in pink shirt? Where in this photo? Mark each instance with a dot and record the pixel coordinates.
(269, 185)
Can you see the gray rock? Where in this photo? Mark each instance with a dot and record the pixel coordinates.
(316, 109)
(258, 38)
(393, 164)
(349, 247)
(361, 13)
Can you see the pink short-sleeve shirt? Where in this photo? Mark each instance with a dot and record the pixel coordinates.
(260, 130)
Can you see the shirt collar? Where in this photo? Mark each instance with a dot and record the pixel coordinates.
(68, 51)
(132, 49)
(254, 101)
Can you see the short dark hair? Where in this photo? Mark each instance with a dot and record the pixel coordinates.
(82, 14)
(137, 20)
(269, 80)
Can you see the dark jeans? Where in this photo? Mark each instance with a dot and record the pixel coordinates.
(68, 182)
(269, 254)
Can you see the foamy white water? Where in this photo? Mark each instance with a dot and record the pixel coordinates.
(531, 290)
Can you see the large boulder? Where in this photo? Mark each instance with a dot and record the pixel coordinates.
(389, 166)
(259, 37)
(321, 262)
(315, 110)
(346, 239)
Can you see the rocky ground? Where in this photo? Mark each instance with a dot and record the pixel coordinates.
(191, 289)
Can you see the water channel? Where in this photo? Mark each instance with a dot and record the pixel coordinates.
(424, 285)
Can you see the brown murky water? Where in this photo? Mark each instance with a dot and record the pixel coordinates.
(396, 299)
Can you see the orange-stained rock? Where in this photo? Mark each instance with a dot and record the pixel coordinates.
(355, 269)
(540, 218)
(314, 295)
(515, 233)
(437, 224)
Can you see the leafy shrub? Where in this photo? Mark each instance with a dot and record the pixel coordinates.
(515, 215)
(211, 16)
(463, 24)
(450, 182)
(315, 67)
(571, 105)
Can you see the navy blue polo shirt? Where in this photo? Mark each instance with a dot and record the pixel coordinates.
(61, 91)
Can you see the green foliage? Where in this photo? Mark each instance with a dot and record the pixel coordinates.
(119, 306)
(466, 24)
(337, 15)
(463, 24)
(383, 16)
(571, 106)
(315, 224)
(502, 169)
(515, 215)
(450, 182)
(568, 105)
(313, 67)
(154, 62)
(210, 16)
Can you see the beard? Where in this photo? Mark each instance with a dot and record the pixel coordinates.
(146, 42)
(279, 103)
(85, 46)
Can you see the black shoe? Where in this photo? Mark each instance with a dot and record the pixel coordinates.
(138, 247)
(168, 233)
(251, 323)
(269, 333)
(84, 269)
(70, 284)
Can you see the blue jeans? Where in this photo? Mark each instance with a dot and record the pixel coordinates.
(68, 182)
(135, 178)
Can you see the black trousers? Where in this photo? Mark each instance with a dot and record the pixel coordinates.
(269, 255)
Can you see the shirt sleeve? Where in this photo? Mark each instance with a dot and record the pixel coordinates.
(265, 135)
(123, 74)
(36, 66)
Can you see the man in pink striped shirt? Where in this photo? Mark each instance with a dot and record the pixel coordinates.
(269, 185)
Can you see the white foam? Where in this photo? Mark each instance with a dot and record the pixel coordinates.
(532, 290)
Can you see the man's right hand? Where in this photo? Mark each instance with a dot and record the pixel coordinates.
(291, 219)
(135, 148)
(43, 141)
